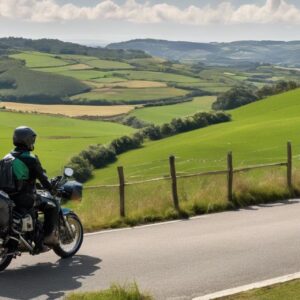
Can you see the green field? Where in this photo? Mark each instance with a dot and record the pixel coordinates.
(31, 84)
(127, 95)
(40, 60)
(164, 114)
(58, 138)
(108, 64)
(78, 74)
(257, 134)
(155, 76)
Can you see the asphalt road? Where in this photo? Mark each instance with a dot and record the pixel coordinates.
(179, 260)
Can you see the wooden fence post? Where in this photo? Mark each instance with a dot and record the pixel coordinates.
(230, 176)
(174, 182)
(289, 167)
(122, 191)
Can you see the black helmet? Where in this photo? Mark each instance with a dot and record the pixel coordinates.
(24, 137)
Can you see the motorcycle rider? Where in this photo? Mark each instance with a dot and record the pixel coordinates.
(27, 170)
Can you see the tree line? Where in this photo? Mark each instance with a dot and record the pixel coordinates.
(245, 94)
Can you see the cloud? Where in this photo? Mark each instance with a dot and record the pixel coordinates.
(273, 11)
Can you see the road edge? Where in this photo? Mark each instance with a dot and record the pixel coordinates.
(248, 287)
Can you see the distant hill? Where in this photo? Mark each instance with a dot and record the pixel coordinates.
(60, 47)
(234, 53)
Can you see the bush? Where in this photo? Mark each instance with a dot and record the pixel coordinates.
(126, 143)
(99, 156)
(134, 122)
(82, 168)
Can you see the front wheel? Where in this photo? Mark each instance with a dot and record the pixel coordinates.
(69, 245)
(5, 262)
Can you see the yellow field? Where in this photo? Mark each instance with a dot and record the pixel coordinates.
(80, 67)
(70, 110)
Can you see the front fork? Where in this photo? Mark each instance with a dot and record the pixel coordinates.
(69, 230)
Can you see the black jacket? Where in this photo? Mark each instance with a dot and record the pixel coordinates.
(36, 171)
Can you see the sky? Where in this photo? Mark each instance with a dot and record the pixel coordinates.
(99, 22)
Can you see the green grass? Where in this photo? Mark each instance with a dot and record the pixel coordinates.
(257, 134)
(286, 291)
(39, 60)
(128, 95)
(116, 292)
(164, 114)
(32, 83)
(78, 74)
(108, 64)
(156, 76)
(58, 138)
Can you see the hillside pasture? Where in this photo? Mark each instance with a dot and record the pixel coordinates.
(40, 60)
(39, 85)
(79, 74)
(164, 114)
(257, 134)
(70, 110)
(108, 64)
(130, 95)
(59, 138)
(155, 76)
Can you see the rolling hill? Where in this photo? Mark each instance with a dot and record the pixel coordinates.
(226, 54)
(58, 138)
(257, 134)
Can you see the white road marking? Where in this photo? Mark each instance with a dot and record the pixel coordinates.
(145, 226)
(245, 288)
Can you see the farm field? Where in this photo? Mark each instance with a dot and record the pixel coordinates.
(26, 83)
(70, 110)
(57, 143)
(127, 95)
(40, 60)
(164, 114)
(122, 82)
(257, 134)
(155, 76)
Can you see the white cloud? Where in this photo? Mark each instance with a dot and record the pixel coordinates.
(273, 11)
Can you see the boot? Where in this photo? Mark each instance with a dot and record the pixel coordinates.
(51, 239)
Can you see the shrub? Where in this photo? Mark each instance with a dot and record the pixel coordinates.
(126, 143)
(98, 155)
(134, 122)
(82, 168)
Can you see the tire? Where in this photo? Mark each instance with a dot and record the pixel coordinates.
(60, 249)
(5, 262)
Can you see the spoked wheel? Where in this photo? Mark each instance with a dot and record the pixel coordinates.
(69, 245)
(5, 262)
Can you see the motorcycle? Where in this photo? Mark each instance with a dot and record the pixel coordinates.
(23, 232)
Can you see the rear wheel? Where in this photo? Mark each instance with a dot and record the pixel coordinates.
(69, 245)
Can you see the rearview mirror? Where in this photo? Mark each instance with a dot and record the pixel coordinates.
(69, 172)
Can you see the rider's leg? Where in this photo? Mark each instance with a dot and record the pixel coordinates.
(50, 211)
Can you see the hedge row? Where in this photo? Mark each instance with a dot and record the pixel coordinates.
(99, 156)
(179, 125)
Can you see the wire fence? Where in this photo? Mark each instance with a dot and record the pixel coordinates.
(174, 177)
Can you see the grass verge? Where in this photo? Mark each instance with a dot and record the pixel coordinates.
(152, 201)
(116, 292)
(287, 291)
